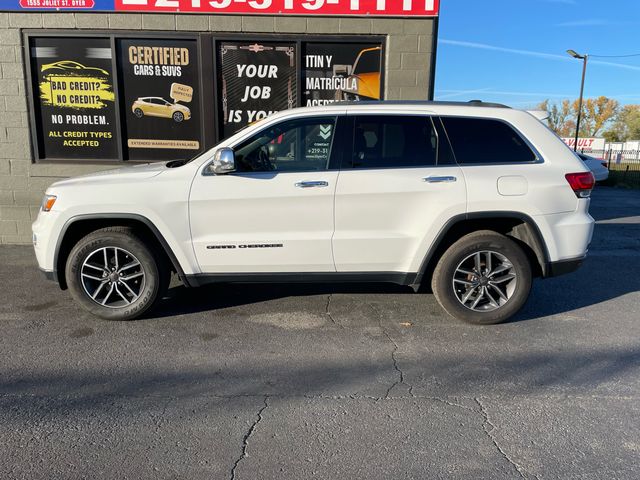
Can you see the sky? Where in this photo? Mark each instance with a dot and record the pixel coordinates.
(514, 51)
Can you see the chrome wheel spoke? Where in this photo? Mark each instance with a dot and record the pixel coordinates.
(135, 263)
(492, 300)
(104, 300)
(108, 286)
(121, 295)
(484, 281)
(500, 294)
(468, 294)
(99, 279)
(100, 287)
(132, 276)
(504, 278)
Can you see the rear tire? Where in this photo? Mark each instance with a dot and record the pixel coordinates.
(484, 278)
(114, 275)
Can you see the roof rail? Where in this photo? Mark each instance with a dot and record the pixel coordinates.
(470, 103)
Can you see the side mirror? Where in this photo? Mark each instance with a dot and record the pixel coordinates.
(223, 162)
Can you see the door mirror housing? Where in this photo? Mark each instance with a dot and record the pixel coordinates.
(223, 162)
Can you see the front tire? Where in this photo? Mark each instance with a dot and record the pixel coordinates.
(138, 113)
(484, 278)
(114, 275)
(178, 117)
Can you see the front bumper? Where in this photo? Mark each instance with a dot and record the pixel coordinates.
(50, 275)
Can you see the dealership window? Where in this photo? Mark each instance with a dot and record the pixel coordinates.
(296, 145)
(483, 141)
(110, 97)
(381, 141)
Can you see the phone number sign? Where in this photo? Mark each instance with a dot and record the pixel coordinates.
(396, 8)
(372, 8)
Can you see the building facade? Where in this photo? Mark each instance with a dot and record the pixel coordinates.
(87, 91)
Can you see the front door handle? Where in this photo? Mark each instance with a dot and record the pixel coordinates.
(444, 179)
(312, 184)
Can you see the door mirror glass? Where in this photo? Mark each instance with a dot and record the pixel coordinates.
(223, 162)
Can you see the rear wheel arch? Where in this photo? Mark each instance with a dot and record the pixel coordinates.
(80, 226)
(516, 225)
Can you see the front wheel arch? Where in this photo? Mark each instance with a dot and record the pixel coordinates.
(80, 226)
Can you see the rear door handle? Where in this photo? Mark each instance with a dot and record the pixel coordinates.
(444, 179)
(312, 184)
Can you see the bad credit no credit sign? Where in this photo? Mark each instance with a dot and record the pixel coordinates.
(373, 8)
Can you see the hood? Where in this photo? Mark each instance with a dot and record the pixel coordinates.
(118, 175)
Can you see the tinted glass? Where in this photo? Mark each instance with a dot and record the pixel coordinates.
(369, 62)
(476, 140)
(296, 145)
(393, 141)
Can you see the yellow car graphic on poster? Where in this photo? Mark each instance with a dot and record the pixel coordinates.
(159, 107)
(365, 74)
(70, 67)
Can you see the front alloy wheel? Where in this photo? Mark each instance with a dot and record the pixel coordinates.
(114, 274)
(113, 277)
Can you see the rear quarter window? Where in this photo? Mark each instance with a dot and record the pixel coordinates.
(486, 141)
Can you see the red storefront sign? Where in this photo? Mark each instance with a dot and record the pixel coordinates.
(373, 8)
(71, 4)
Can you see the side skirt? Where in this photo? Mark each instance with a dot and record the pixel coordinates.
(400, 278)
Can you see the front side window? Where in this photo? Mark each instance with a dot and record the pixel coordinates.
(291, 146)
(382, 141)
(482, 141)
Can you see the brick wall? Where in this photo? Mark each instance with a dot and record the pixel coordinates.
(22, 183)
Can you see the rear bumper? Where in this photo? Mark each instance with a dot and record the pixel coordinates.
(562, 267)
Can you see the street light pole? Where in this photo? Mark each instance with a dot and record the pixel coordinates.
(584, 58)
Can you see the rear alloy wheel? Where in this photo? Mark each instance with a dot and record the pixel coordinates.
(483, 278)
(114, 275)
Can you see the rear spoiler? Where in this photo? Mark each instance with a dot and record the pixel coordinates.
(541, 115)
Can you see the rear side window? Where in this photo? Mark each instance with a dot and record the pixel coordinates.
(476, 140)
(381, 141)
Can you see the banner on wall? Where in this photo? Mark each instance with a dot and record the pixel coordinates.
(371, 8)
(258, 79)
(74, 97)
(341, 71)
(160, 95)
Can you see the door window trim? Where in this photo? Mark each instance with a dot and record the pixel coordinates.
(538, 157)
(346, 159)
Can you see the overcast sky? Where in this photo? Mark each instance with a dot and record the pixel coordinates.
(513, 51)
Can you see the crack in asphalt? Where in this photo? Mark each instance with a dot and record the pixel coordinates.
(328, 312)
(247, 436)
(396, 367)
(485, 424)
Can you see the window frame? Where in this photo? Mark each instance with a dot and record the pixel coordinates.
(333, 152)
(348, 157)
(538, 157)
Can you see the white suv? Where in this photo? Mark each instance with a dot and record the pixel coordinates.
(471, 199)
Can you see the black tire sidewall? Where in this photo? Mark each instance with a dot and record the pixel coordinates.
(92, 242)
(138, 113)
(443, 277)
(178, 117)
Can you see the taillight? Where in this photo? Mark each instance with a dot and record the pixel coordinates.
(581, 183)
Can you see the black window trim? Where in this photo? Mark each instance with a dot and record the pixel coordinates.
(332, 153)
(346, 159)
(538, 160)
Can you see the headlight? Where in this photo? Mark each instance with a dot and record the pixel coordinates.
(47, 202)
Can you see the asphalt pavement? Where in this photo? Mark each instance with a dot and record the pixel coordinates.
(329, 382)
